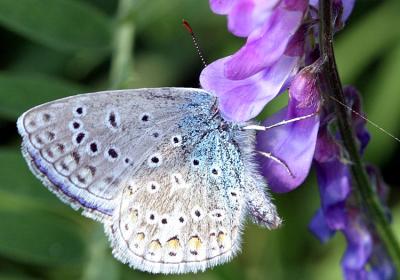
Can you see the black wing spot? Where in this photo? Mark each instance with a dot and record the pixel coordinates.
(79, 110)
(76, 156)
(51, 135)
(145, 118)
(156, 134)
(61, 148)
(76, 125)
(112, 153)
(46, 117)
(79, 138)
(93, 147)
(112, 119)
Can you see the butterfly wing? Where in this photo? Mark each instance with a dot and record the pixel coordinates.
(185, 214)
(83, 147)
(170, 180)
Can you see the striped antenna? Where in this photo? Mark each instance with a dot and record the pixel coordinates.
(195, 41)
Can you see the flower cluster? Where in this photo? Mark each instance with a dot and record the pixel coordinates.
(280, 54)
(340, 208)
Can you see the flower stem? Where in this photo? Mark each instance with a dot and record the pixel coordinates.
(124, 31)
(331, 86)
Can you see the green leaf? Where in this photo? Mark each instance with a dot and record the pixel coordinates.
(39, 238)
(61, 24)
(21, 92)
(362, 42)
(100, 264)
(19, 187)
(29, 59)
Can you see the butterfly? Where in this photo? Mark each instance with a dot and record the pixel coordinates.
(171, 180)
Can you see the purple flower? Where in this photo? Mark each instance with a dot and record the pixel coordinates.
(340, 211)
(265, 45)
(241, 100)
(292, 143)
(244, 16)
(247, 80)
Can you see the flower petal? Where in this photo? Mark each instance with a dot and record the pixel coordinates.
(320, 228)
(240, 20)
(248, 15)
(265, 45)
(348, 6)
(334, 182)
(359, 245)
(241, 100)
(353, 98)
(222, 7)
(293, 143)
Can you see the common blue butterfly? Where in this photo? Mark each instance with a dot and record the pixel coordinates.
(169, 178)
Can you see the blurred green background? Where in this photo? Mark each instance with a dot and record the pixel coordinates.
(55, 48)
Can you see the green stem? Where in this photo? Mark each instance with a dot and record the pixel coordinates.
(122, 60)
(332, 87)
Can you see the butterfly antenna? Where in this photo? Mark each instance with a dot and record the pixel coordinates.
(195, 41)
(366, 119)
(284, 122)
(277, 160)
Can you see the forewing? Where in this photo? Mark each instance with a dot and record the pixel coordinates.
(84, 147)
(185, 214)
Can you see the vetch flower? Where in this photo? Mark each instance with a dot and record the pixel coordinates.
(247, 80)
(241, 100)
(293, 143)
(340, 209)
